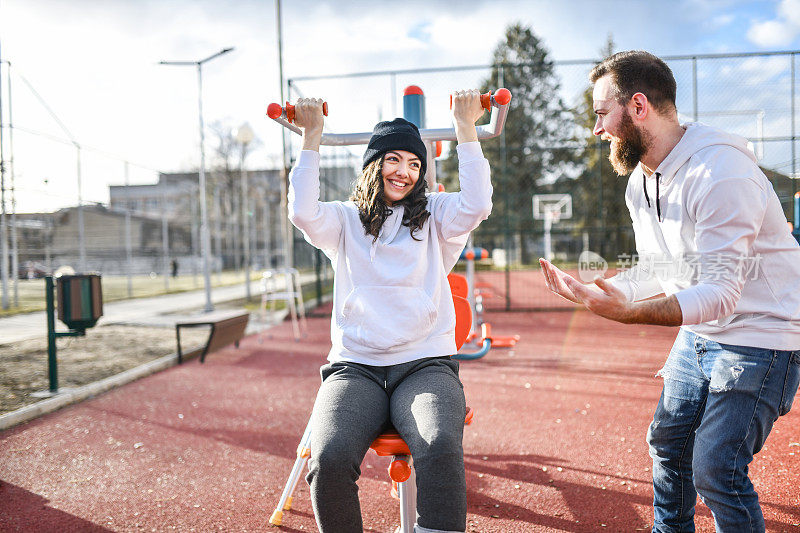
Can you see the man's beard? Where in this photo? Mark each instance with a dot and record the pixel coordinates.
(629, 147)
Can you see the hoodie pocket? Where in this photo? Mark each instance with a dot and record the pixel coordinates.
(381, 318)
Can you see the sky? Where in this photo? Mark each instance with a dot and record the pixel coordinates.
(93, 64)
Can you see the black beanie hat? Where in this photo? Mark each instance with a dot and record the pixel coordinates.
(398, 134)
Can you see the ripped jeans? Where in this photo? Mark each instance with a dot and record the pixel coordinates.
(716, 409)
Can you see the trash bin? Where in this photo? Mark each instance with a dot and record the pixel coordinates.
(80, 300)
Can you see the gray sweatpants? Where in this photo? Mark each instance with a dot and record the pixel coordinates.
(424, 401)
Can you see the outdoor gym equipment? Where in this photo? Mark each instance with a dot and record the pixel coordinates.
(501, 97)
(494, 103)
(481, 331)
(388, 444)
(460, 288)
(287, 112)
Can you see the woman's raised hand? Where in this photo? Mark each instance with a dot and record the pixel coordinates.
(467, 110)
(308, 117)
(308, 113)
(467, 106)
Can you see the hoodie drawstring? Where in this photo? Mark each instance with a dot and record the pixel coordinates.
(658, 193)
(658, 197)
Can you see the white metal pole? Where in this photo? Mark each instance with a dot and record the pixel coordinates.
(205, 238)
(81, 225)
(14, 241)
(245, 226)
(548, 223)
(218, 229)
(267, 233)
(193, 209)
(286, 229)
(128, 239)
(3, 218)
(164, 239)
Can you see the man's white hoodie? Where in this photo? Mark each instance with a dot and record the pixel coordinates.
(710, 230)
(391, 300)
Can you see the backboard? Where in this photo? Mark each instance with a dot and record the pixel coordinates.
(558, 206)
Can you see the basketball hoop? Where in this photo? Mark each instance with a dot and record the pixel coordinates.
(551, 208)
(555, 215)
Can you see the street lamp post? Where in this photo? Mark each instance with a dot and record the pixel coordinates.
(205, 239)
(3, 221)
(245, 135)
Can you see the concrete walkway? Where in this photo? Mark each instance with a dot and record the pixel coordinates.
(157, 311)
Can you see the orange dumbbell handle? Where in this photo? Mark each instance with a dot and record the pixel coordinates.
(501, 97)
(275, 111)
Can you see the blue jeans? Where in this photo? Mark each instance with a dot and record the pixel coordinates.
(716, 409)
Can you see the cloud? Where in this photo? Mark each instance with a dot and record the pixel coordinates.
(781, 31)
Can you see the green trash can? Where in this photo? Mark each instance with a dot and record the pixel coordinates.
(80, 300)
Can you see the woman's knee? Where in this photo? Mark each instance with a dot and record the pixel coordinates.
(440, 446)
(333, 461)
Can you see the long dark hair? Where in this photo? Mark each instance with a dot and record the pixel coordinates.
(371, 204)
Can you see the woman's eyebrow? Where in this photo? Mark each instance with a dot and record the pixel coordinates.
(415, 158)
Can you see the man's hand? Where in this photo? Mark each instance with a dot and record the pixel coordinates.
(308, 117)
(555, 279)
(601, 298)
(609, 302)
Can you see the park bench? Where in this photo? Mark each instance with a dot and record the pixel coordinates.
(226, 328)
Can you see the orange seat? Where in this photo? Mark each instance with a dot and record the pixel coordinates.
(458, 285)
(389, 442)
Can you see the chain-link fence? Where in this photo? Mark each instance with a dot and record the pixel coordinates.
(752, 95)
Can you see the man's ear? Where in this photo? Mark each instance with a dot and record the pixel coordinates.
(639, 106)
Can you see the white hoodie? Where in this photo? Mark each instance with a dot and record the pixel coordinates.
(722, 247)
(391, 299)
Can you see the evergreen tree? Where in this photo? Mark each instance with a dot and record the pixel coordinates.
(532, 153)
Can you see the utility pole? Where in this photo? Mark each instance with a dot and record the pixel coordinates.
(205, 237)
(286, 230)
(14, 241)
(3, 219)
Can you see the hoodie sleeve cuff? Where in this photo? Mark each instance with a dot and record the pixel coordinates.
(308, 159)
(468, 152)
(689, 301)
(623, 285)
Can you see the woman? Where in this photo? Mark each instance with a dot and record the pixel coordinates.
(391, 246)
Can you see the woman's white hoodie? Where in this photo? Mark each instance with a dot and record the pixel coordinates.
(391, 299)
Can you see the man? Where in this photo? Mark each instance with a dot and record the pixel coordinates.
(713, 242)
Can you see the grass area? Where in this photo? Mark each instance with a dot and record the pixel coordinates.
(31, 292)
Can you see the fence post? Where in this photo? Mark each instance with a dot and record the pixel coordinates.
(694, 87)
(128, 240)
(503, 152)
(794, 155)
(165, 239)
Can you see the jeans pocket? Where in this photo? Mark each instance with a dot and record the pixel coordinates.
(790, 383)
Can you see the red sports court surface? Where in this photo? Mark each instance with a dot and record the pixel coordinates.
(557, 443)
